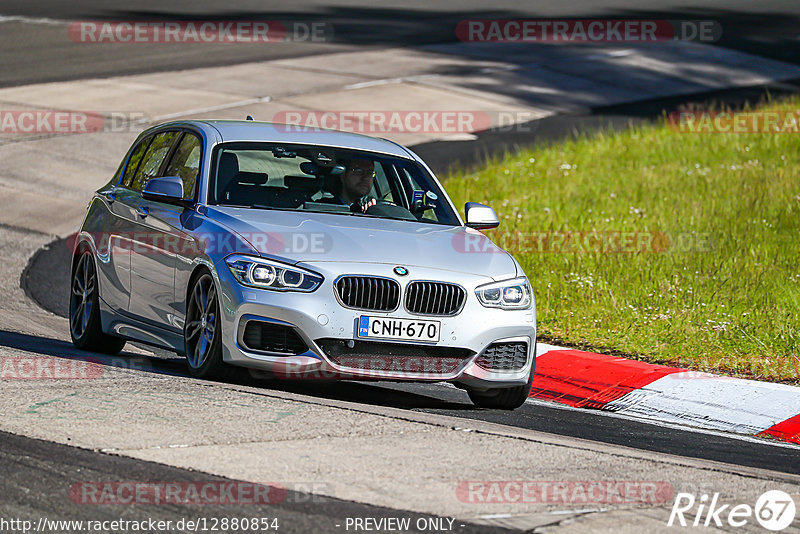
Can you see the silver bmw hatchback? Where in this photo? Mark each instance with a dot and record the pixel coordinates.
(304, 253)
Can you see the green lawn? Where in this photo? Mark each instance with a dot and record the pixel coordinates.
(717, 286)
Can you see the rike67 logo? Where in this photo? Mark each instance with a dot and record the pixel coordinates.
(774, 510)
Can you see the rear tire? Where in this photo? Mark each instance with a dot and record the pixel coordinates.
(202, 332)
(85, 327)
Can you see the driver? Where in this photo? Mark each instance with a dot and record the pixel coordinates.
(356, 184)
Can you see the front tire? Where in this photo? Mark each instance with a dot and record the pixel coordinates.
(504, 398)
(85, 327)
(202, 332)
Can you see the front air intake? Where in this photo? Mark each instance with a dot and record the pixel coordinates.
(510, 356)
(262, 336)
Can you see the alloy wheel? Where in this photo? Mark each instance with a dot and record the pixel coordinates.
(201, 321)
(81, 303)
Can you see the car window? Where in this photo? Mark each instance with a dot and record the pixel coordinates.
(133, 162)
(185, 163)
(153, 158)
(419, 195)
(324, 179)
(382, 189)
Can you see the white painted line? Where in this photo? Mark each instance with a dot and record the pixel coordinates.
(372, 83)
(542, 348)
(710, 401)
(501, 68)
(34, 20)
(684, 427)
(579, 511)
(615, 53)
(458, 137)
(388, 81)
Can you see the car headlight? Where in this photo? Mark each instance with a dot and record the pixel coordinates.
(267, 274)
(515, 294)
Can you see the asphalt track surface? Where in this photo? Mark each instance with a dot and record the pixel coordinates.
(46, 281)
(36, 52)
(36, 473)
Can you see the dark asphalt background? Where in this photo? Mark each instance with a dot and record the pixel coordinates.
(39, 53)
(37, 472)
(37, 476)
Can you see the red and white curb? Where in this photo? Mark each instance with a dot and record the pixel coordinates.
(657, 392)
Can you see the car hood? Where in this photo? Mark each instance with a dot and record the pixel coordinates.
(302, 237)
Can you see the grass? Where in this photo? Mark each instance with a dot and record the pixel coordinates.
(718, 289)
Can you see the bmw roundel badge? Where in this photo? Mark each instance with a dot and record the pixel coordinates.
(400, 271)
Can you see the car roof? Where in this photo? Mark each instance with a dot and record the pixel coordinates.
(247, 130)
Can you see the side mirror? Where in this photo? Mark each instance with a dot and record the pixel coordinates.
(167, 189)
(480, 217)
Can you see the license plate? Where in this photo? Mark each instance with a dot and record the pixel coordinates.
(390, 328)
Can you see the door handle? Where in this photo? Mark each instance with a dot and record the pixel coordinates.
(111, 197)
(142, 211)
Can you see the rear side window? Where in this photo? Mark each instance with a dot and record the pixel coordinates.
(185, 163)
(133, 162)
(153, 158)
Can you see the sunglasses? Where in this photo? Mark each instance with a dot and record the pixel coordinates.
(359, 171)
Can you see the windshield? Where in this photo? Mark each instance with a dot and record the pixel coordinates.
(323, 179)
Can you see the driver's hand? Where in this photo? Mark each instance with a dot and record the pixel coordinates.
(367, 204)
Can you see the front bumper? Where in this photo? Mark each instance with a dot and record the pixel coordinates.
(318, 318)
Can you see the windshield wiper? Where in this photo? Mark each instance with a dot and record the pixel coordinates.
(359, 214)
(351, 213)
